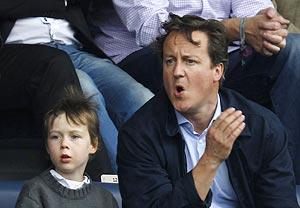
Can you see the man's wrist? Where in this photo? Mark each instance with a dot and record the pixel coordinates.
(242, 33)
(209, 163)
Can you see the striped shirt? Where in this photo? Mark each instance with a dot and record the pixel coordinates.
(134, 24)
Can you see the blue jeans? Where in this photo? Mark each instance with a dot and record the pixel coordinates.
(117, 94)
(273, 82)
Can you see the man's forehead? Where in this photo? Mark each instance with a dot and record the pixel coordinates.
(197, 37)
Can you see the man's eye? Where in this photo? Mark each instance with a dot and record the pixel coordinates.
(190, 61)
(169, 61)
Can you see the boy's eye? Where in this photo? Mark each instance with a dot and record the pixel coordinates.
(53, 137)
(75, 136)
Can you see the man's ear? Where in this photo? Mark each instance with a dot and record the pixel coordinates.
(218, 72)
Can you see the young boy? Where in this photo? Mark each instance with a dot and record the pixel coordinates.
(71, 132)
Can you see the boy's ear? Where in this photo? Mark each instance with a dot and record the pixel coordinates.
(94, 145)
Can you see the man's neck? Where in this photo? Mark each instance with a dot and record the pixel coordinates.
(202, 118)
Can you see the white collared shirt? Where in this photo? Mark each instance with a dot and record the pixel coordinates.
(223, 193)
(41, 30)
(69, 183)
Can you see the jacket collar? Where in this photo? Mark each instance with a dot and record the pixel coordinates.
(227, 100)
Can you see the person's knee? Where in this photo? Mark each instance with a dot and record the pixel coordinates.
(88, 87)
(292, 43)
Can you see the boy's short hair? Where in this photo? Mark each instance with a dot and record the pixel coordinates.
(78, 109)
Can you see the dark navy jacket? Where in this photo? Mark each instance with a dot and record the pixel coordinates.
(152, 163)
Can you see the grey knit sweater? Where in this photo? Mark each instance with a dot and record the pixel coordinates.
(45, 191)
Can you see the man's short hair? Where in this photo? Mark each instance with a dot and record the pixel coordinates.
(78, 109)
(215, 31)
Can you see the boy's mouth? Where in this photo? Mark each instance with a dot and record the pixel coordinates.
(64, 158)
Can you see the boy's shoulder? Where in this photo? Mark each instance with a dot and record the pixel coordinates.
(97, 187)
(31, 193)
(103, 194)
(33, 187)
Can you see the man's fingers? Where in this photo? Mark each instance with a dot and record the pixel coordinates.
(226, 118)
(234, 125)
(223, 115)
(273, 41)
(275, 37)
(270, 12)
(269, 48)
(269, 25)
(284, 21)
(236, 132)
(266, 52)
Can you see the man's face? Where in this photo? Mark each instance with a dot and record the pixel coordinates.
(190, 79)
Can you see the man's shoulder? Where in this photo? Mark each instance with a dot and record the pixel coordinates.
(231, 98)
(257, 117)
(155, 110)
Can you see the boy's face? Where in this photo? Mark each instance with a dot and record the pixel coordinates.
(69, 146)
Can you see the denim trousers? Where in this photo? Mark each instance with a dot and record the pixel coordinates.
(117, 94)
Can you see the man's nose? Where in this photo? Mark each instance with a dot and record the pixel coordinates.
(178, 70)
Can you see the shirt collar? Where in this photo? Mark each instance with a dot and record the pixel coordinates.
(71, 184)
(181, 120)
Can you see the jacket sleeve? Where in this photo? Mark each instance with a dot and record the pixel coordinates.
(15, 9)
(143, 179)
(275, 185)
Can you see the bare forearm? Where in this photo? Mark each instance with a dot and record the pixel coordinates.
(219, 141)
(232, 28)
(204, 174)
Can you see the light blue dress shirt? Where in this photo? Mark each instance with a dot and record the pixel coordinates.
(223, 193)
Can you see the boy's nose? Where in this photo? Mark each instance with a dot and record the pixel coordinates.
(64, 143)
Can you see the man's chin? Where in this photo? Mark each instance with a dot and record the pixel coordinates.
(181, 107)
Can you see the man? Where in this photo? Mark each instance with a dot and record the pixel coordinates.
(193, 145)
(61, 24)
(270, 80)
